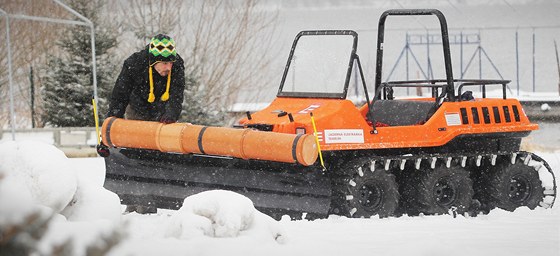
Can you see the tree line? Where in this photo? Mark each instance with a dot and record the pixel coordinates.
(221, 41)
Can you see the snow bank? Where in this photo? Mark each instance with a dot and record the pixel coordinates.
(214, 222)
(39, 186)
(36, 177)
(91, 202)
(39, 169)
(14, 202)
(221, 213)
(40, 174)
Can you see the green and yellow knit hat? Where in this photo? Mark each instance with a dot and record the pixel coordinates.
(162, 48)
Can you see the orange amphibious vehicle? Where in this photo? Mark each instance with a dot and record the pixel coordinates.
(314, 151)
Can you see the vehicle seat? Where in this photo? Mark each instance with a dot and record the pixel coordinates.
(401, 112)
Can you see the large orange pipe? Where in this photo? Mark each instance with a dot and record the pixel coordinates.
(221, 141)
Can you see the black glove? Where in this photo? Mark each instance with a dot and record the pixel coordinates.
(166, 120)
(103, 150)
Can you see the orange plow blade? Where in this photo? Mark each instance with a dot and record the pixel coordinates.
(219, 141)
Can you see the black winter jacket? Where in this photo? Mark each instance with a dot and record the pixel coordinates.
(133, 87)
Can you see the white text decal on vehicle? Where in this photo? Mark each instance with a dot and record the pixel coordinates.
(344, 136)
(452, 119)
(320, 136)
(309, 109)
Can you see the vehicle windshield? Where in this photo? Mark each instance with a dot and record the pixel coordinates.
(319, 66)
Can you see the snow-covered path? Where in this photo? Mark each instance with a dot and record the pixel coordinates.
(523, 232)
(501, 233)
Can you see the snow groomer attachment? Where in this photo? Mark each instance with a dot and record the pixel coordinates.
(215, 141)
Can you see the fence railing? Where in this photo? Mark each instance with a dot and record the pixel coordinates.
(76, 137)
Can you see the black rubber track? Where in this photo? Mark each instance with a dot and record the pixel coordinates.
(365, 190)
(440, 190)
(508, 186)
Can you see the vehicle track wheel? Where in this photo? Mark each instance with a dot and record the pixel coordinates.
(509, 186)
(366, 190)
(437, 191)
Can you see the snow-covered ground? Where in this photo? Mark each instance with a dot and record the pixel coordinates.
(37, 177)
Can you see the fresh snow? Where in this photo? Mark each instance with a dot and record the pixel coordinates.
(42, 170)
(37, 176)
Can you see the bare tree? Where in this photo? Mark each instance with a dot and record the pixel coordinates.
(147, 18)
(222, 41)
(228, 43)
(225, 43)
(557, 64)
(31, 41)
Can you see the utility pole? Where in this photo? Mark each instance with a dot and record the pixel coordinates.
(558, 64)
(10, 79)
(32, 92)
